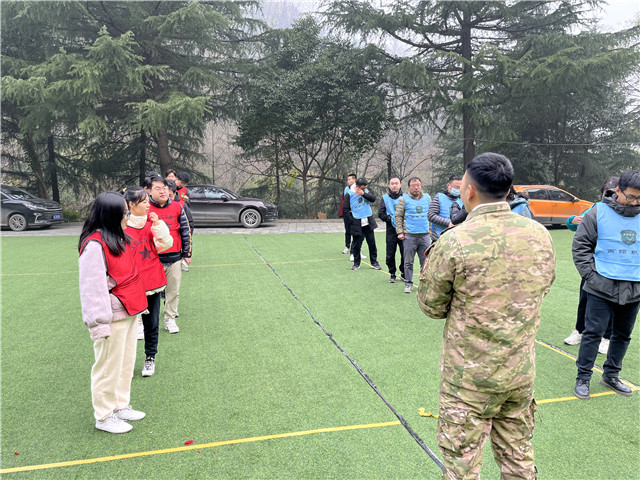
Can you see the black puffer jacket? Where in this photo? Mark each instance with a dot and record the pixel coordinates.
(584, 247)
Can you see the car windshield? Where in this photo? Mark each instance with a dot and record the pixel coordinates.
(16, 193)
(229, 193)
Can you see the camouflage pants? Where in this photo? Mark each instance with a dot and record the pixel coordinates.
(467, 417)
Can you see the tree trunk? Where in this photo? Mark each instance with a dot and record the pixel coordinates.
(29, 147)
(468, 127)
(164, 157)
(389, 166)
(305, 194)
(277, 165)
(143, 155)
(53, 169)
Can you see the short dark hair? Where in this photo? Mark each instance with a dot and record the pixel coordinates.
(361, 182)
(184, 177)
(453, 178)
(492, 174)
(413, 179)
(610, 184)
(352, 175)
(169, 172)
(630, 178)
(152, 173)
(148, 181)
(395, 176)
(172, 185)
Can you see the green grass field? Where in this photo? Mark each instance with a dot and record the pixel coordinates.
(258, 386)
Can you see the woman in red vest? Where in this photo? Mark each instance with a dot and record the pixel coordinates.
(149, 236)
(111, 295)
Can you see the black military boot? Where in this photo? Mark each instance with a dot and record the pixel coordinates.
(616, 385)
(582, 389)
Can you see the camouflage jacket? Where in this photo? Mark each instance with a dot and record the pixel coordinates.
(487, 277)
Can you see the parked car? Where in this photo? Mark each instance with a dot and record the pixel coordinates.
(212, 205)
(552, 205)
(21, 210)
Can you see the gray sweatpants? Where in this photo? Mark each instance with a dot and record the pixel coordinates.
(413, 244)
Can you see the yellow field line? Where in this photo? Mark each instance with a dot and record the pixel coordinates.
(595, 367)
(566, 399)
(196, 447)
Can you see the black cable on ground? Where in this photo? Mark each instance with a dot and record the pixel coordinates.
(404, 423)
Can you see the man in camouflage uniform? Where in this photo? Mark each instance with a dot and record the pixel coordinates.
(487, 277)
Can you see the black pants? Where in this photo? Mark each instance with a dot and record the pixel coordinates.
(367, 233)
(599, 311)
(151, 324)
(392, 244)
(582, 309)
(347, 233)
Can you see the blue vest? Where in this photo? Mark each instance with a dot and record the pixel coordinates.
(360, 206)
(522, 209)
(346, 190)
(415, 213)
(617, 253)
(391, 204)
(445, 211)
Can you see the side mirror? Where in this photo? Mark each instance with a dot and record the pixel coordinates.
(225, 198)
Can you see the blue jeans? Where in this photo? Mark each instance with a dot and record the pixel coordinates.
(599, 312)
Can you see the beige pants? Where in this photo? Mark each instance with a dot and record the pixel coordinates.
(112, 373)
(172, 292)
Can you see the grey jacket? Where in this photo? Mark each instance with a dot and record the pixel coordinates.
(584, 247)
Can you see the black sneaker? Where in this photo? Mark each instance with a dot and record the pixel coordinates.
(616, 385)
(376, 266)
(582, 389)
(392, 279)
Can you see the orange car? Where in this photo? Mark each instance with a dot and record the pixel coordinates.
(551, 205)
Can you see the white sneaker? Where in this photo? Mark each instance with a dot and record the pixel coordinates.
(351, 257)
(363, 256)
(345, 251)
(574, 339)
(149, 367)
(184, 266)
(129, 414)
(604, 346)
(408, 288)
(171, 326)
(140, 329)
(113, 424)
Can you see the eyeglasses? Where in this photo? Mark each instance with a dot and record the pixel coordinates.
(630, 198)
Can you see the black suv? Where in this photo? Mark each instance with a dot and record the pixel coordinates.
(211, 205)
(21, 210)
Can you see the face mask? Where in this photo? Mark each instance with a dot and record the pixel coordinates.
(455, 192)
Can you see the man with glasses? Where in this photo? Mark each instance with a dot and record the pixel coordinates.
(173, 215)
(606, 252)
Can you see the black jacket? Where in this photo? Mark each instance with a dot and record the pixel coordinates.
(584, 247)
(355, 225)
(382, 211)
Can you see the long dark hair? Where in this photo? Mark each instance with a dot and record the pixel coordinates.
(106, 216)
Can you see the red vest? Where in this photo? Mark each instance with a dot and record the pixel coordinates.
(182, 192)
(170, 213)
(145, 255)
(129, 288)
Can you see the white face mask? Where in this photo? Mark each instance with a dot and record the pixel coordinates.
(455, 192)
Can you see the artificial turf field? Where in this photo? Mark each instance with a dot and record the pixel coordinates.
(261, 389)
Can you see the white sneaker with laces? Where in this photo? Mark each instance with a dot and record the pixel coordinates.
(351, 257)
(604, 346)
(184, 266)
(149, 367)
(171, 326)
(113, 424)
(140, 329)
(574, 339)
(345, 251)
(129, 414)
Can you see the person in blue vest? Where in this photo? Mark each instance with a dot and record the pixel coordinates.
(351, 181)
(606, 252)
(439, 212)
(412, 226)
(519, 202)
(387, 213)
(357, 208)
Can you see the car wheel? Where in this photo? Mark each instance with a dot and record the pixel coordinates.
(250, 218)
(17, 222)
